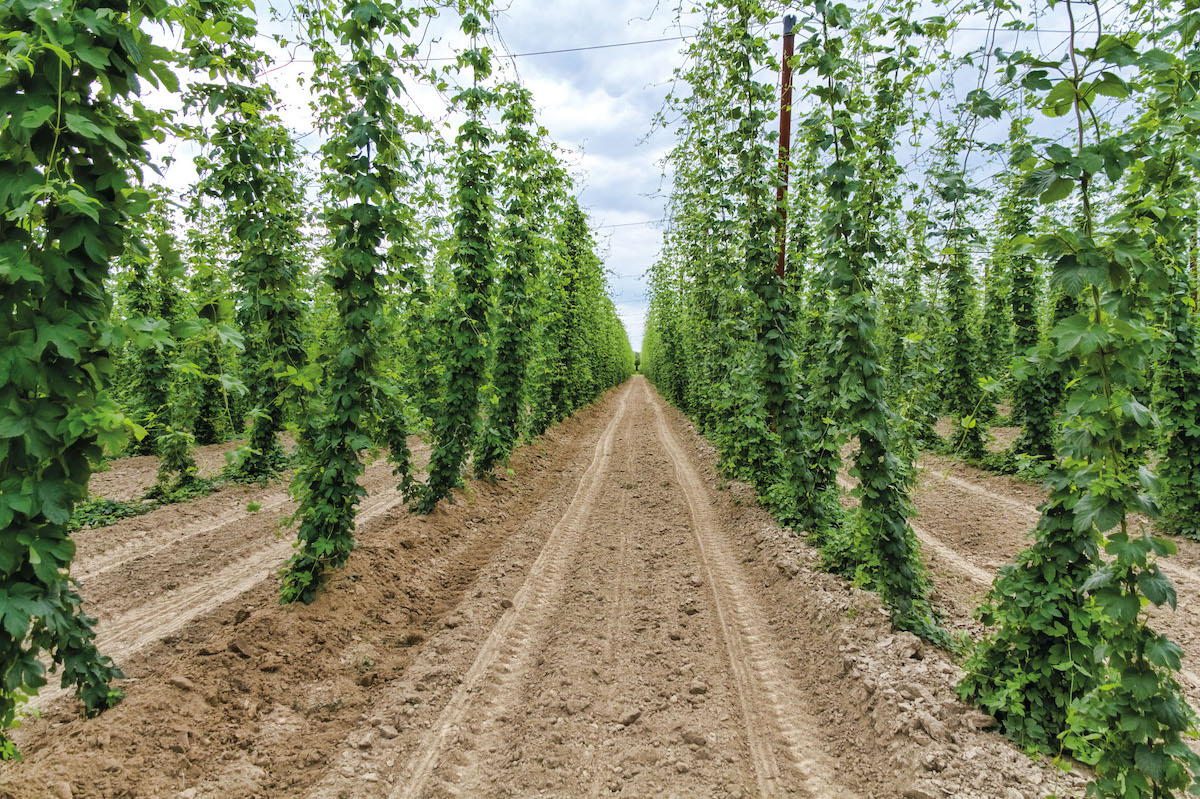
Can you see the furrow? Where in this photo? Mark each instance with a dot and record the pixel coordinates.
(618, 603)
(1031, 513)
(139, 628)
(759, 676)
(508, 638)
(136, 548)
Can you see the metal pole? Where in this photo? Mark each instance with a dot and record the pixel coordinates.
(785, 137)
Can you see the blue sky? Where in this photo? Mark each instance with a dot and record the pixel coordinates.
(598, 104)
(601, 104)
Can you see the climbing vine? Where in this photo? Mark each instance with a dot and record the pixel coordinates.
(251, 171)
(1090, 667)
(363, 154)
(522, 163)
(473, 259)
(70, 161)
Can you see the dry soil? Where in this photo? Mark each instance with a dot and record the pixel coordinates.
(607, 617)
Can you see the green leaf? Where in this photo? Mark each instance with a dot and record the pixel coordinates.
(56, 497)
(1060, 99)
(1156, 587)
(16, 613)
(49, 556)
(1059, 189)
(1162, 651)
(83, 204)
(1121, 608)
(1142, 684)
(81, 125)
(1151, 761)
(36, 117)
(1098, 579)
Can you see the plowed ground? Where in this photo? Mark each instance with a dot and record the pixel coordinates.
(972, 522)
(607, 618)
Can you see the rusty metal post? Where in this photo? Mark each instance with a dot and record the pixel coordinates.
(785, 136)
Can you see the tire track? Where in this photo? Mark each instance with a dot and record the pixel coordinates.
(1171, 621)
(770, 707)
(960, 564)
(166, 537)
(984, 579)
(136, 549)
(1031, 512)
(502, 691)
(509, 638)
(616, 617)
(137, 629)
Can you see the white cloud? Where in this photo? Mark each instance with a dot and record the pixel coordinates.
(598, 104)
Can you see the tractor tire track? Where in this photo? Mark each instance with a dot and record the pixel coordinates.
(983, 578)
(501, 694)
(1031, 514)
(508, 638)
(162, 539)
(770, 708)
(618, 601)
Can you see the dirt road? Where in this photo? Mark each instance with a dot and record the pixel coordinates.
(611, 618)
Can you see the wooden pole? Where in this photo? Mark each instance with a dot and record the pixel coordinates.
(785, 137)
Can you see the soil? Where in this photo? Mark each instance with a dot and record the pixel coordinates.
(608, 617)
(997, 440)
(974, 522)
(128, 479)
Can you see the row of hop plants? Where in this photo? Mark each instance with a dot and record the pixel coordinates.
(448, 289)
(1065, 288)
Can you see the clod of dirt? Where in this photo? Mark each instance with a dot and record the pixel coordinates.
(933, 728)
(241, 647)
(630, 716)
(698, 687)
(910, 646)
(918, 793)
(61, 790)
(693, 738)
(181, 682)
(978, 720)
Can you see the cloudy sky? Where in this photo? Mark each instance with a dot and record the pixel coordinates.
(599, 104)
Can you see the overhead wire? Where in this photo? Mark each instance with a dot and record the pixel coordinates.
(513, 57)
